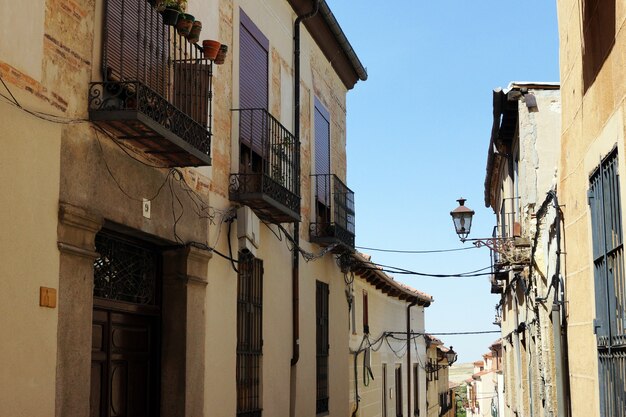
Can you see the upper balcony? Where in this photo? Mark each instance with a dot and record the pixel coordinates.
(334, 212)
(269, 168)
(156, 88)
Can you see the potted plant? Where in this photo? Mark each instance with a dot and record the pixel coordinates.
(211, 48)
(184, 24)
(170, 9)
(221, 54)
(194, 35)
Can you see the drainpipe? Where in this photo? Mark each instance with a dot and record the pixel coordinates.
(557, 325)
(408, 357)
(295, 275)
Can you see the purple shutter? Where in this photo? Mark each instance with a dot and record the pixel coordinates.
(253, 83)
(322, 152)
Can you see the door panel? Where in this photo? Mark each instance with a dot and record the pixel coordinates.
(124, 363)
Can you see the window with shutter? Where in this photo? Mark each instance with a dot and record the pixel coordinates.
(322, 349)
(610, 285)
(253, 93)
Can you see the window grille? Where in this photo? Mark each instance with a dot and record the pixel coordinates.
(125, 270)
(399, 391)
(321, 313)
(416, 391)
(384, 397)
(249, 335)
(610, 285)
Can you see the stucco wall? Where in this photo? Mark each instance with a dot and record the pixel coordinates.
(29, 185)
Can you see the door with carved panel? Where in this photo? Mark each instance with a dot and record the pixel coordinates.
(125, 374)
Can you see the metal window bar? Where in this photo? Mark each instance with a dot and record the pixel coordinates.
(398, 382)
(335, 211)
(277, 148)
(148, 66)
(125, 271)
(249, 335)
(322, 347)
(610, 281)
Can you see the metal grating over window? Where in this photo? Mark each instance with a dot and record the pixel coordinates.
(321, 315)
(398, 375)
(610, 285)
(125, 270)
(249, 335)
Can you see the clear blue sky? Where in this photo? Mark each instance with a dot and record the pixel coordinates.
(418, 133)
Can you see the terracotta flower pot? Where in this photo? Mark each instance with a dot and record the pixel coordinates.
(211, 48)
(221, 55)
(170, 16)
(194, 35)
(184, 24)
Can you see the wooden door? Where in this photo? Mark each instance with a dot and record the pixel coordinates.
(124, 367)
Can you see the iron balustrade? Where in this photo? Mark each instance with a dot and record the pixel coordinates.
(334, 213)
(269, 172)
(156, 84)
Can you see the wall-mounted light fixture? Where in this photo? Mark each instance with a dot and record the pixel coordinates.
(462, 218)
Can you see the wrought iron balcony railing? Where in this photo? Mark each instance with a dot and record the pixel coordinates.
(269, 171)
(334, 212)
(156, 89)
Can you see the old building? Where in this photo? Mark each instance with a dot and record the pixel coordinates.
(440, 397)
(593, 83)
(172, 221)
(520, 187)
(387, 344)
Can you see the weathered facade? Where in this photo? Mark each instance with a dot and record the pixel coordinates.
(440, 397)
(520, 186)
(593, 83)
(154, 201)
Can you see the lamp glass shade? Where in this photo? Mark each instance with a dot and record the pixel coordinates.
(462, 218)
(451, 356)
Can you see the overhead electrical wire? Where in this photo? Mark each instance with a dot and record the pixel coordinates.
(415, 251)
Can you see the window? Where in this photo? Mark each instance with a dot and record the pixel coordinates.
(610, 285)
(366, 322)
(253, 94)
(399, 390)
(321, 315)
(384, 391)
(598, 37)
(249, 335)
(416, 390)
(322, 162)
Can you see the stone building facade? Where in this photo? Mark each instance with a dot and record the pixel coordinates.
(151, 216)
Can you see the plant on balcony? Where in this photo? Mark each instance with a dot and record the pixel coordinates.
(211, 49)
(221, 55)
(184, 24)
(171, 9)
(194, 35)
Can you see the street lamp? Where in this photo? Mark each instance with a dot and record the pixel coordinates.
(451, 356)
(462, 218)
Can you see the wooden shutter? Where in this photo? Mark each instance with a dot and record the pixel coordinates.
(322, 151)
(136, 45)
(191, 90)
(253, 83)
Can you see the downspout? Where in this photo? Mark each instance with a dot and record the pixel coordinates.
(557, 325)
(408, 357)
(295, 274)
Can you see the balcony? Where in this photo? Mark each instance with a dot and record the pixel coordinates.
(334, 213)
(156, 89)
(269, 168)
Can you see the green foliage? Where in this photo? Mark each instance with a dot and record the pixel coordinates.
(180, 5)
(460, 397)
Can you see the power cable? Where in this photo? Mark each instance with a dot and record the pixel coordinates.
(415, 251)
